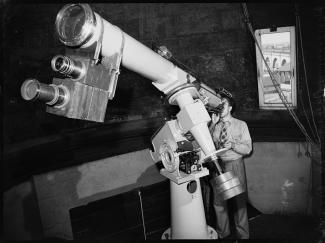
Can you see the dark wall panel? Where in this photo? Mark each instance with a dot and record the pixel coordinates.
(139, 214)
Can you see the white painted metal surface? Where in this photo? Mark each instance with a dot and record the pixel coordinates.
(136, 56)
(187, 213)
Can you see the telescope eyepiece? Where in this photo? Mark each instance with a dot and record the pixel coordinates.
(75, 24)
(58, 64)
(68, 66)
(216, 110)
(52, 94)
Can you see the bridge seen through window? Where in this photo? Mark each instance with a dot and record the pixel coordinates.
(278, 48)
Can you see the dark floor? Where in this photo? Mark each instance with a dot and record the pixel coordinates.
(302, 228)
(277, 228)
(120, 218)
(264, 227)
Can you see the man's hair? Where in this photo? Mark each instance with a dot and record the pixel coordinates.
(227, 95)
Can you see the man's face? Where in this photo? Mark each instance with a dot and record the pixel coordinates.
(226, 108)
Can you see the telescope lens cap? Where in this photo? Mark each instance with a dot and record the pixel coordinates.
(30, 89)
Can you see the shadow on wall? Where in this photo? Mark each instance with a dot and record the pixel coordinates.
(148, 177)
(32, 217)
(21, 217)
(150, 174)
(60, 191)
(279, 180)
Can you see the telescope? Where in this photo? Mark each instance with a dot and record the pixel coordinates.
(90, 82)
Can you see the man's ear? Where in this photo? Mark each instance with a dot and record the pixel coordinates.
(230, 108)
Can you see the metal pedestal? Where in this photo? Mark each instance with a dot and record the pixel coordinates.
(187, 210)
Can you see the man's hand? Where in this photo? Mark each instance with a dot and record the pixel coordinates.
(228, 145)
(215, 118)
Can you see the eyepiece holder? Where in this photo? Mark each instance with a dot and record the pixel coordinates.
(53, 95)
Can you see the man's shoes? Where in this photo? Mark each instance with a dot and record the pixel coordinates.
(226, 237)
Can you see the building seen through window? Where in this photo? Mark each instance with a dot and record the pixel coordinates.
(278, 49)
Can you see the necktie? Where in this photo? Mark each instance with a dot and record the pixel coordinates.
(223, 134)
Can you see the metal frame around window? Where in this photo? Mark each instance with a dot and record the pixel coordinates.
(260, 64)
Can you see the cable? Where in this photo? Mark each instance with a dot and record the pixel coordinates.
(305, 113)
(142, 215)
(309, 189)
(298, 85)
(275, 83)
(179, 63)
(305, 72)
(191, 71)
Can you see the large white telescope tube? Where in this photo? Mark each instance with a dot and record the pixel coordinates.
(78, 25)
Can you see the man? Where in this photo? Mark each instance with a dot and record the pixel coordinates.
(237, 139)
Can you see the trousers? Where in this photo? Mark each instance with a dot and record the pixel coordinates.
(239, 203)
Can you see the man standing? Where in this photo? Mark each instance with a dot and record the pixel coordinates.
(229, 132)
